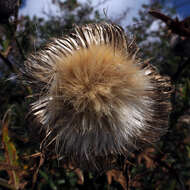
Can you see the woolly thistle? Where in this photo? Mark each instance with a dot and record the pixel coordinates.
(96, 99)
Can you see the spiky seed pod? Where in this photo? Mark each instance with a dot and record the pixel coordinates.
(96, 99)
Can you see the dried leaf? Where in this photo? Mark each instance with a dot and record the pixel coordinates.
(78, 172)
(136, 184)
(5, 166)
(80, 176)
(118, 176)
(147, 157)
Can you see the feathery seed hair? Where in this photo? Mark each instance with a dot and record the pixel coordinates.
(96, 99)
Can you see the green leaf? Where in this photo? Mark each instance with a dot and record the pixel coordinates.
(10, 151)
(48, 180)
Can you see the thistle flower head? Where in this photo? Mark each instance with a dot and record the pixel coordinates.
(96, 99)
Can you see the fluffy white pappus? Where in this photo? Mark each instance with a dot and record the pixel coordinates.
(96, 99)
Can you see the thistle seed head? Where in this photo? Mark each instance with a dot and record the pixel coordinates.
(96, 100)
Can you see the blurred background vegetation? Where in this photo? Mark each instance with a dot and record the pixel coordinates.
(165, 166)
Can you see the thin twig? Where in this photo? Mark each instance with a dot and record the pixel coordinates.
(176, 26)
(13, 31)
(20, 48)
(100, 3)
